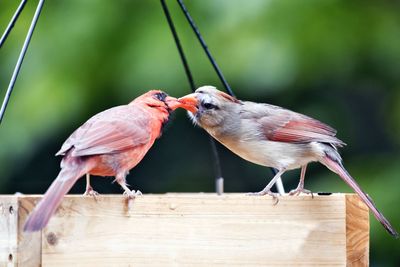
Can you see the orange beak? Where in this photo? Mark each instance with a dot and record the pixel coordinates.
(189, 102)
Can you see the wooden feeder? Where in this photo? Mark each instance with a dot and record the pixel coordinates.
(189, 230)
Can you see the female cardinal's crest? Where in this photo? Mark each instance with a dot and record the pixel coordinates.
(215, 92)
(228, 97)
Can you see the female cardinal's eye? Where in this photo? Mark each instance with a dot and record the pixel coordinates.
(209, 106)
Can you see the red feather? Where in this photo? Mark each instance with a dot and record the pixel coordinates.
(291, 127)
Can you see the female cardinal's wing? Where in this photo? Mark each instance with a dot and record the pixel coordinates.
(111, 131)
(282, 125)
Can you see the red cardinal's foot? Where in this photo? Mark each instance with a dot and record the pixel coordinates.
(265, 192)
(90, 193)
(298, 190)
(131, 194)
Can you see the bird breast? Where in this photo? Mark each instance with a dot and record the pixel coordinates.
(278, 155)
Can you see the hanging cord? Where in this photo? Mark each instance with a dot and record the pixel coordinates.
(279, 184)
(179, 46)
(219, 181)
(20, 59)
(205, 47)
(12, 22)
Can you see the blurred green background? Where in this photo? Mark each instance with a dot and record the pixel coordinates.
(337, 61)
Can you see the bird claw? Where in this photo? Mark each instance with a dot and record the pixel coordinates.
(265, 192)
(132, 194)
(90, 193)
(297, 191)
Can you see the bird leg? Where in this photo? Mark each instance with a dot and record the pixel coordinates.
(89, 190)
(279, 186)
(131, 194)
(267, 189)
(300, 187)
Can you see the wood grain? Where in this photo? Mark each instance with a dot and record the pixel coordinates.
(357, 232)
(29, 244)
(198, 230)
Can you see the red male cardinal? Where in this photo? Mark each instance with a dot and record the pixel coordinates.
(272, 136)
(108, 144)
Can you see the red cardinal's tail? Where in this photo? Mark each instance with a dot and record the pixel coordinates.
(338, 168)
(40, 216)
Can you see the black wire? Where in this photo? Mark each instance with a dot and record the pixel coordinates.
(20, 59)
(12, 22)
(179, 46)
(217, 163)
(205, 47)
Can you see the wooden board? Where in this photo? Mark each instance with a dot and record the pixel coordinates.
(17, 249)
(190, 230)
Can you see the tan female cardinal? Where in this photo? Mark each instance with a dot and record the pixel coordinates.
(108, 144)
(272, 136)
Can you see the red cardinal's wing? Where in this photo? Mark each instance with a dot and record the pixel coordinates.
(110, 131)
(283, 125)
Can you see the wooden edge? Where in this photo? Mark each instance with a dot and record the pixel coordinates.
(8, 231)
(29, 244)
(357, 231)
(36, 197)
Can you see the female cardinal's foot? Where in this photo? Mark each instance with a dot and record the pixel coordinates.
(266, 192)
(267, 189)
(298, 190)
(300, 186)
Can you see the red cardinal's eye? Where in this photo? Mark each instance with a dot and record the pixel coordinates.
(161, 96)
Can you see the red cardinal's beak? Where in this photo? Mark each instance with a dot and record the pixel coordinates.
(172, 102)
(189, 102)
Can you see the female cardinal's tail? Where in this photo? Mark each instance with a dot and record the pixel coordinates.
(40, 216)
(337, 167)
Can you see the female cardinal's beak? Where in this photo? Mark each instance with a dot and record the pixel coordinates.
(189, 102)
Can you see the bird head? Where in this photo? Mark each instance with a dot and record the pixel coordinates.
(209, 106)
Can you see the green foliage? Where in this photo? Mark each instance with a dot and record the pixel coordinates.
(337, 61)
